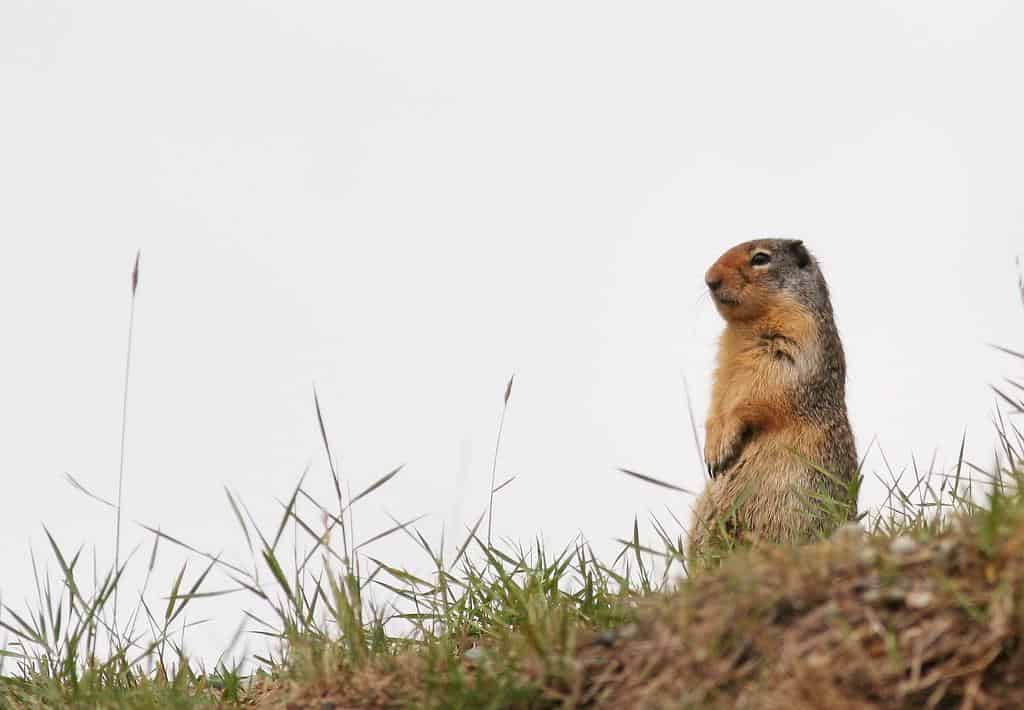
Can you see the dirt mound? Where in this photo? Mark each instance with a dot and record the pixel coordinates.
(850, 623)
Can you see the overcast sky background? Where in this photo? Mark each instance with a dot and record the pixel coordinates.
(406, 202)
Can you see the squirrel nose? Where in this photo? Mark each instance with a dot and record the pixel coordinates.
(713, 283)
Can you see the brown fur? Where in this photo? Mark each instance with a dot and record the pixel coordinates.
(777, 402)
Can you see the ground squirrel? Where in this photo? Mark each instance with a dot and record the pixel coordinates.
(778, 409)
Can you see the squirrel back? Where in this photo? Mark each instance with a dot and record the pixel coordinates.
(778, 405)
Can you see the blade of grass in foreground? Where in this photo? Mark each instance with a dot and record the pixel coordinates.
(494, 463)
(656, 481)
(124, 422)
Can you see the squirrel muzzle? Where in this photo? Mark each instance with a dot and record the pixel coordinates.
(726, 281)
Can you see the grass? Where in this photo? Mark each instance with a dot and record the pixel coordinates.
(917, 605)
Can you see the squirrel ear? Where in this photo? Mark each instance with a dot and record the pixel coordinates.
(803, 258)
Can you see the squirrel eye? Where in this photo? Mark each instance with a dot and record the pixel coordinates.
(760, 259)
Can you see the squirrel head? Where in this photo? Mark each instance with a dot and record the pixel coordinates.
(753, 279)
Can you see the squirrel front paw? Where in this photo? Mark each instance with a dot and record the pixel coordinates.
(726, 437)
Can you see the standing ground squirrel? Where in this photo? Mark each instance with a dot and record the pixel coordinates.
(778, 409)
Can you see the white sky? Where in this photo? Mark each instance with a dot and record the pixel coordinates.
(405, 202)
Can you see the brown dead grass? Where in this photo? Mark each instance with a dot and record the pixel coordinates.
(379, 686)
(854, 622)
(842, 624)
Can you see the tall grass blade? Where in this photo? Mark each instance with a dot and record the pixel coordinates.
(494, 463)
(179, 543)
(241, 520)
(82, 489)
(376, 484)
(656, 481)
(389, 531)
(693, 427)
(288, 510)
(505, 483)
(124, 422)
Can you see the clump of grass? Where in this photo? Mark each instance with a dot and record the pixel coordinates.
(488, 600)
(70, 652)
(71, 649)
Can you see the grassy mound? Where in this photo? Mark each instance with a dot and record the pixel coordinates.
(917, 605)
(928, 620)
(848, 623)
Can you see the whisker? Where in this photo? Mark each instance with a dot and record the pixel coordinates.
(704, 293)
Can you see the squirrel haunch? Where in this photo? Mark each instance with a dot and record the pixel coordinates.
(778, 402)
